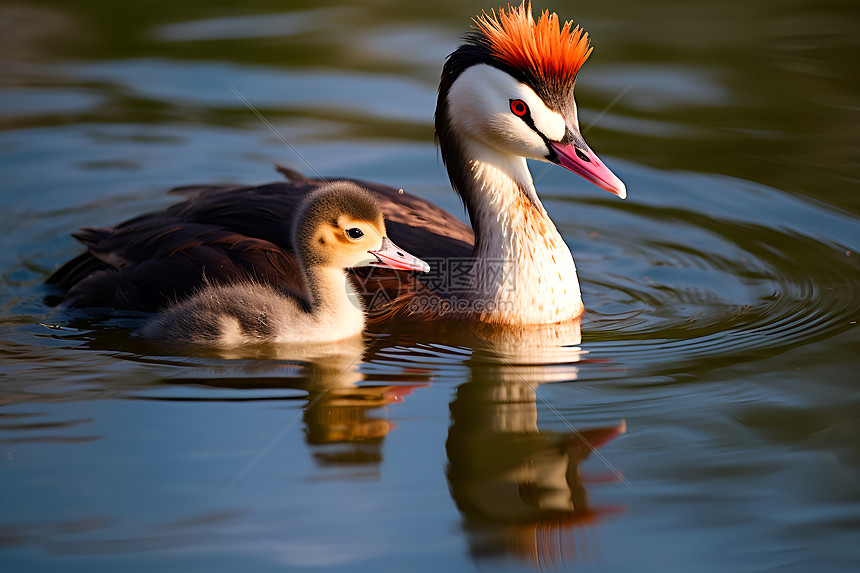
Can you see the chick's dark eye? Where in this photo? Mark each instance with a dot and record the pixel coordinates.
(519, 107)
(355, 233)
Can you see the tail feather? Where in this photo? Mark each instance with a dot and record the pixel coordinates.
(292, 175)
(90, 236)
(75, 270)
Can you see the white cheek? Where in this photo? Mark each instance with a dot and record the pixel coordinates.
(550, 123)
(509, 133)
(479, 105)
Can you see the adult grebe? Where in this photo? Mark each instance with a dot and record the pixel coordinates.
(506, 94)
(337, 227)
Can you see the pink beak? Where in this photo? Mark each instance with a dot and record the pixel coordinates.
(393, 257)
(586, 163)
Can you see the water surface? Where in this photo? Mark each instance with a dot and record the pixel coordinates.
(708, 419)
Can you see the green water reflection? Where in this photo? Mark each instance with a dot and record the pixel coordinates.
(765, 91)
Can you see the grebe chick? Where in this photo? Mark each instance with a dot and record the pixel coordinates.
(338, 227)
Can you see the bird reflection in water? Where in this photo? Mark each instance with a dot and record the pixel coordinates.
(340, 422)
(519, 488)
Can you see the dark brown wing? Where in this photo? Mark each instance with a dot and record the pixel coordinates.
(229, 233)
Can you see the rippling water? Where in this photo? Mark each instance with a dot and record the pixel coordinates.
(708, 419)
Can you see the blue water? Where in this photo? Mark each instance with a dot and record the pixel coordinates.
(716, 377)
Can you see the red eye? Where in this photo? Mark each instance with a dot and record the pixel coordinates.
(519, 107)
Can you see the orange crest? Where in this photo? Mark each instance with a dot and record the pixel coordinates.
(545, 48)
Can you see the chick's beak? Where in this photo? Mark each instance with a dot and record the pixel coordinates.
(393, 257)
(582, 161)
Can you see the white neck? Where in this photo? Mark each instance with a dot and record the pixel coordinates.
(521, 263)
(334, 303)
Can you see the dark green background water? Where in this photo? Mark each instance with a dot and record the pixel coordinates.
(722, 297)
